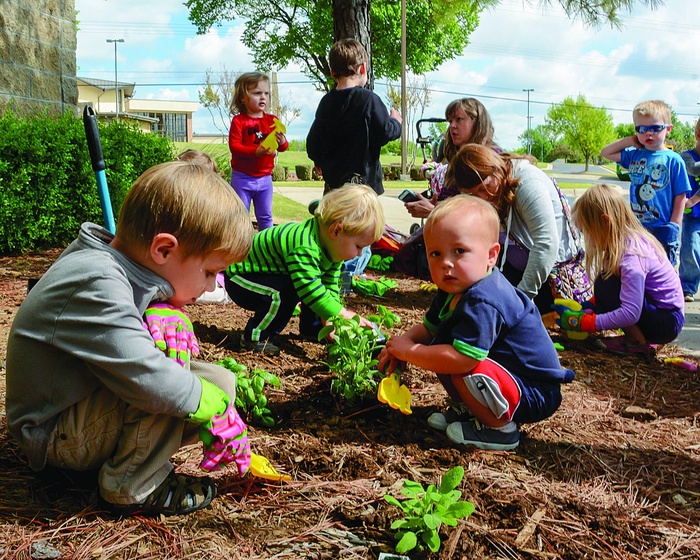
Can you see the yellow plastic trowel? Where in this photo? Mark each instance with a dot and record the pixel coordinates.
(261, 467)
(394, 394)
(270, 141)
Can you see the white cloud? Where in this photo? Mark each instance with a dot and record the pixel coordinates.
(216, 51)
(517, 46)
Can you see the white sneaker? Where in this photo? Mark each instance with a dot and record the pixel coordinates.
(219, 295)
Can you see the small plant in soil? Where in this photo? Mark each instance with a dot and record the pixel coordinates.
(250, 398)
(426, 510)
(352, 353)
(385, 318)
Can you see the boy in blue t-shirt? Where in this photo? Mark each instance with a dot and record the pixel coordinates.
(482, 336)
(658, 178)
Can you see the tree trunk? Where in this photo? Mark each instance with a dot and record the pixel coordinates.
(351, 21)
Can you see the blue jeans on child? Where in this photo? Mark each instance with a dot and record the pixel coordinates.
(669, 237)
(690, 254)
(353, 267)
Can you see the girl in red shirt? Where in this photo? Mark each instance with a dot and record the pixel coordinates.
(252, 163)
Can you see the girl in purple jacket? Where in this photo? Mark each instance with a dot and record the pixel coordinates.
(636, 287)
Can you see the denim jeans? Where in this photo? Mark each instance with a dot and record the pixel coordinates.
(669, 237)
(353, 267)
(690, 254)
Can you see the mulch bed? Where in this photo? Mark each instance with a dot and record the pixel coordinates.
(615, 473)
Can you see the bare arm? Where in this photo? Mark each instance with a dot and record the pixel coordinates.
(412, 347)
(612, 151)
(679, 205)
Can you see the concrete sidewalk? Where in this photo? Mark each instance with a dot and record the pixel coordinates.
(396, 216)
(394, 211)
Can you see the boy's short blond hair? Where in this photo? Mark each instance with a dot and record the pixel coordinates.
(653, 108)
(345, 57)
(466, 204)
(355, 207)
(192, 203)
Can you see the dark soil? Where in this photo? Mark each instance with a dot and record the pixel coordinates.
(599, 479)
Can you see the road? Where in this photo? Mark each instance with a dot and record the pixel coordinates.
(397, 217)
(575, 173)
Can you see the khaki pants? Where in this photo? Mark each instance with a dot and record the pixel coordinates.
(131, 448)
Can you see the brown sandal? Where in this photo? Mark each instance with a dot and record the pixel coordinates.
(177, 495)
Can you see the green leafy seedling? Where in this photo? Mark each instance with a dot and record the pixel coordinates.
(250, 387)
(426, 509)
(350, 357)
(352, 353)
(385, 318)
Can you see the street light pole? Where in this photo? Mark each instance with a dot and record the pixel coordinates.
(404, 132)
(529, 141)
(116, 82)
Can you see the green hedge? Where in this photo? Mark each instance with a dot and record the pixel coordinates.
(279, 173)
(47, 185)
(304, 172)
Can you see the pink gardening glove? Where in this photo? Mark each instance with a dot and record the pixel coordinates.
(172, 331)
(225, 439)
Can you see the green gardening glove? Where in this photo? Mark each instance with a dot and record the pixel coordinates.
(374, 262)
(213, 401)
(364, 287)
(372, 287)
(387, 283)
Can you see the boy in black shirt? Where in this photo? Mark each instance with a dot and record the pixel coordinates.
(351, 124)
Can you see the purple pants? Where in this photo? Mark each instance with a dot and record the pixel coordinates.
(259, 191)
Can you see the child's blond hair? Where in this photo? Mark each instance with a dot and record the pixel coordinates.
(610, 228)
(476, 208)
(199, 157)
(355, 207)
(192, 203)
(653, 108)
(243, 83)
(345, 58)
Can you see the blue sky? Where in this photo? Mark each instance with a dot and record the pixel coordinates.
(517, 46)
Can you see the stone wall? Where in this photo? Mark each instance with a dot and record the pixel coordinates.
(37, 56)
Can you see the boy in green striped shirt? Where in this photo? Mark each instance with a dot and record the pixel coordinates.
(294, 262)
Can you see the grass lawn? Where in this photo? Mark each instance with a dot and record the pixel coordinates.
(286, 209)
(222, 155)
